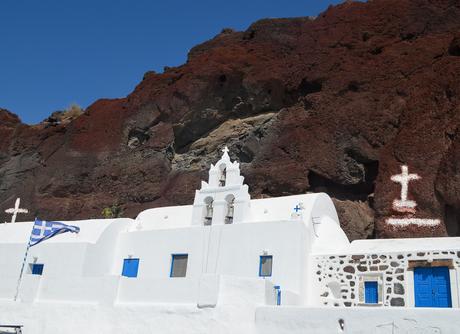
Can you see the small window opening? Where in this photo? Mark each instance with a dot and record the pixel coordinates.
(179, 265)
(265, 266)
(36, 268)
(230, 209)
(223, 177)
(209, 211)
(130, 267)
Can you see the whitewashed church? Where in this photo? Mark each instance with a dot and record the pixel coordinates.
(229, 264)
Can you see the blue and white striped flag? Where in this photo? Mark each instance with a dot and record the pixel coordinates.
(44, 230)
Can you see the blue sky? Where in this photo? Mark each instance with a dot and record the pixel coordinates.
(55, 53)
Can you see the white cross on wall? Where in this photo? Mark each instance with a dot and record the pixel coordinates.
(14, 211)
(403, 204)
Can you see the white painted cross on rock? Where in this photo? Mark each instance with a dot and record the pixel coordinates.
(14, 211)
(405, 205)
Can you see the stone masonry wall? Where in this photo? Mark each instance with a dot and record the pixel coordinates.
(341, 277)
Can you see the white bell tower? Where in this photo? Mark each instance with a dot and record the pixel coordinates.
(224, 199)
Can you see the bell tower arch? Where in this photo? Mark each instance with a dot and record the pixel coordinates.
(225, 191)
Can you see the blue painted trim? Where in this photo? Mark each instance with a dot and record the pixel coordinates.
(172, 262)
(278, 294)
(260, 265)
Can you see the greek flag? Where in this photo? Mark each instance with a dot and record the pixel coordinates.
(43, 230)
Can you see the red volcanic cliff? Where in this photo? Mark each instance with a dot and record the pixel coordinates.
(336, 104)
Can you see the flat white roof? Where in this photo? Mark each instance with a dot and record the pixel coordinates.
(404, 245)
(90, 231)
(165, 217)
(260, 210)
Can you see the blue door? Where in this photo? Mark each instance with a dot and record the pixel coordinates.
(432, 287)
(371, 295)
(130, 267)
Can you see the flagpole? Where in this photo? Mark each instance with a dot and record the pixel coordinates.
(23, 265)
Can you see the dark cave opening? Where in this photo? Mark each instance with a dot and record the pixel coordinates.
(452, 220)
(308, 87)
(352, 192)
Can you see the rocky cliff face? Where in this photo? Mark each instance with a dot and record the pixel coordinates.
(334, 104)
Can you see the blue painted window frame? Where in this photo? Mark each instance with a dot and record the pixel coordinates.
(126, 271)
(278, 294)
(173, 258)
(262, 257)
(37, 269)
(371, 292)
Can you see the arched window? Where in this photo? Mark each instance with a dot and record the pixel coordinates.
(223, 175)
(209, 210)
(230, 199)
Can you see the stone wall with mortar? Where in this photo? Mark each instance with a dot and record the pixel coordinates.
(341, 278)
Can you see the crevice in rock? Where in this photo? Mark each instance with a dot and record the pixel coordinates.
(353, 86)
(452, 220)
(353, 192)
(308, 87)
(377, 50)
(305, 88)
(137, 137)
(407, 36)
(244, 155)
(454, 47)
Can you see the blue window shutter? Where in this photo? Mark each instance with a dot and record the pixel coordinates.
(371, 292)
(37, 269)
(130, 267)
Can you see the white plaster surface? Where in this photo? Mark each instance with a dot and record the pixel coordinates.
(371, 320)
(52, 318)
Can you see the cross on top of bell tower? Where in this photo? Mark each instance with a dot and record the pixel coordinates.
(224, 173)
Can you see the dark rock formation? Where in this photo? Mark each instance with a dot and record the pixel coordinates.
(335, 104)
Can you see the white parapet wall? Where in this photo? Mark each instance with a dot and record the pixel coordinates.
(237, 314)
(234, 313)
(370, 320)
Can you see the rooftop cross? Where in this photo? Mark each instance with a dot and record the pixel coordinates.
(403, 204)
(14, 211)
(225, 150)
